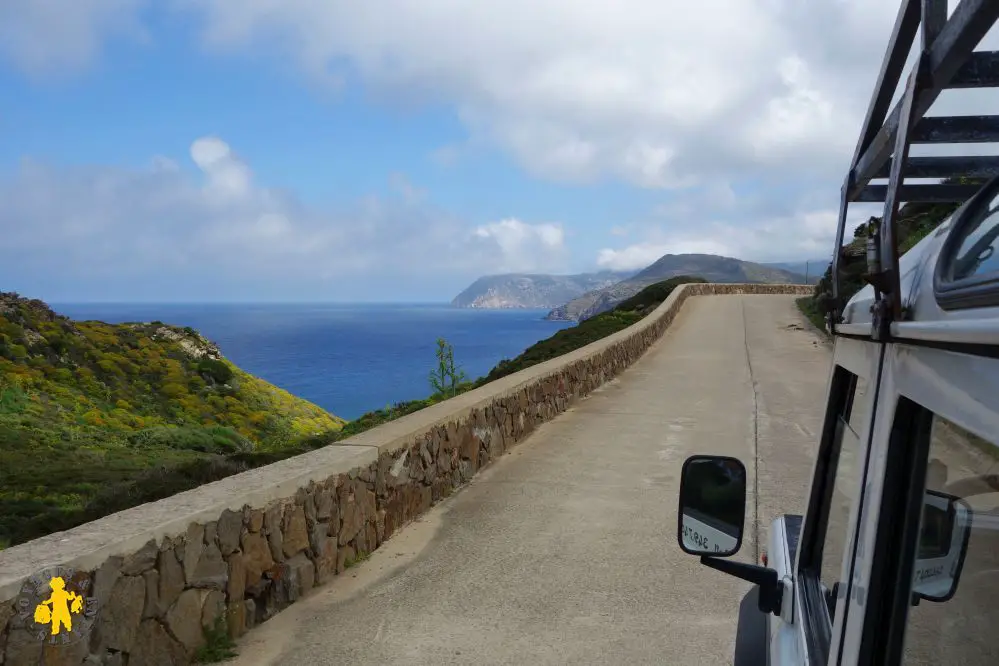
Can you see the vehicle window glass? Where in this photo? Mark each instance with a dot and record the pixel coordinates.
(962, 629)
(977, 256)
(848, 456)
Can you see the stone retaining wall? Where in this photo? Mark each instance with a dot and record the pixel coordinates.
(239, 550)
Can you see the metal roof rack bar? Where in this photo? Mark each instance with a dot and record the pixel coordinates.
(956, 129)
(979, 166)
(904, 32)
(981, 71)
(947, 59)
(921, 193)
(951, 49)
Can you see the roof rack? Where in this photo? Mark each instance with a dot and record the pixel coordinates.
(947, 60)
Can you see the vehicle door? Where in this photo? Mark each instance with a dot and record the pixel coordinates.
(824, 562)
(927, 589)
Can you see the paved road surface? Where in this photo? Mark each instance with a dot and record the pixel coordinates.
(564, 551)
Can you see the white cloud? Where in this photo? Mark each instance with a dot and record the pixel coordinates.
(226, 177)
(526, 247)
(660, 94)
(218, 225)
(753, 235)
(48, 36)
(755, 225)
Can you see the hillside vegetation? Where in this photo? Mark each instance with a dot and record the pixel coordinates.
(93, 413)
(915, 221)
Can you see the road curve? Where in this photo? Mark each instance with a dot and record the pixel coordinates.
(564, 551)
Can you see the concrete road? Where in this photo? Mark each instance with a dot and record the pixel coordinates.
(564, 551)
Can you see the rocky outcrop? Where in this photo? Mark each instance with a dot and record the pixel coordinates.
(240, 550)
(521, 290)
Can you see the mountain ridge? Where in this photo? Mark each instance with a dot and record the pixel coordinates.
(532, 290)
(713, 268)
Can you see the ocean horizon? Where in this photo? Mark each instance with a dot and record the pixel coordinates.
(348, 358)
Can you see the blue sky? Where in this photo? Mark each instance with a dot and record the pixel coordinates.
(189, 150)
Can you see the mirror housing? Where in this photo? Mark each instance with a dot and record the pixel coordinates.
(944, 530)
(712, 511)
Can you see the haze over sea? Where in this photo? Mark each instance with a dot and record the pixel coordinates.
(347, 358)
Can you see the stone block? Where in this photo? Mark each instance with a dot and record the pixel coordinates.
(194, 545)
(212, 571)
(326, 562)
(230, 528)
(105, 578)
(272, 517)
(256, 557)
(171, 580)
(142, 560)
(235, 619)
(151, 608)
(295, 531)
(324, 502)
(353, 517)
(302, 575)
(251, 612)
(212, 608)
(236, 583)
(118, 619)
(184, 619)
(275, 542)
(255, 521)
(212, 533)
(310, 506)
(155, 647)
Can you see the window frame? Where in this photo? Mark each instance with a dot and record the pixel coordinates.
(899, 514)
(886, 615)
(975, 291)
(958, 385)
(818, 634)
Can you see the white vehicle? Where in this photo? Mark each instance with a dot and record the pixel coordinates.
(896, 560)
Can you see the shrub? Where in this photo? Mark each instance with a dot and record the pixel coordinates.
(12, 400)
(210, 439)
(173, 390)
(218, 371)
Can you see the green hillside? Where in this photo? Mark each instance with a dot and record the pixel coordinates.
(92, 416)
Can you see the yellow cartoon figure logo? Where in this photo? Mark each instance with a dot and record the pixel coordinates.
(59, 607)
(55, 607)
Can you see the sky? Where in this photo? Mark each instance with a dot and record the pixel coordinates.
(395, 150)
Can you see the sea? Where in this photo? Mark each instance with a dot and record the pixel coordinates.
(348, 359)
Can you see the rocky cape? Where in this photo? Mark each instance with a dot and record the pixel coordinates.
(711, 267)
(524, 290)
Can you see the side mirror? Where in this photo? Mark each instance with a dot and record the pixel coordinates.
(944, 531)
(712, 505)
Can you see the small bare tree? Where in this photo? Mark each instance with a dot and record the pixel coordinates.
(446, 378)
